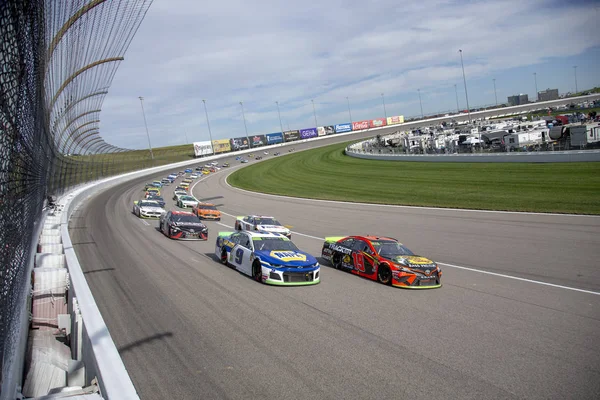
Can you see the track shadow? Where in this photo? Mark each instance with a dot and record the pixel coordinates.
(205, 199)
(141, 342)
(93, 271)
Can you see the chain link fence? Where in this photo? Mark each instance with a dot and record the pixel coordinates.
(57, 60)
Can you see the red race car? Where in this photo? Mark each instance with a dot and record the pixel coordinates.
(382, 259)
(182, 225)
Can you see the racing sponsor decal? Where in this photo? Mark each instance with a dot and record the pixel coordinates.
(288, 255)
(321, 131)
(308, 133)
(274, 138)
(341, 128)
(341, 249)
(291, 135)
(202, 148)
(376, 123)
(357, 126)
(399, 119)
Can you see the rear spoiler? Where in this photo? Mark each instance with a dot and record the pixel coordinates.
(135, 202)
(224, 234)
(333, 239)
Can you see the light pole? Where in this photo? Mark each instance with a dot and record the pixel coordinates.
(245, 126)
(495, 95)
(536, 89)
(147, 134)
(208, 123)
(457, 106)
(465, 80)
(349, 113)
(280, 123)
(314, 112)
(186, 138)
(383, 100)
(421, 103)
(575, 69)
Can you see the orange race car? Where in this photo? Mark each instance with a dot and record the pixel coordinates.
(207, 211)
(382, 259)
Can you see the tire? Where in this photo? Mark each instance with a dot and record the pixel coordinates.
(256, 271)
(336, 260)
(237, 226)
(224, 256)
(384, 274)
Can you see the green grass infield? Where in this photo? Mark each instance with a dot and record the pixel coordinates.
(326, 173)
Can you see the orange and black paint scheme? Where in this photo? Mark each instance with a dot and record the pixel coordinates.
(382, 259)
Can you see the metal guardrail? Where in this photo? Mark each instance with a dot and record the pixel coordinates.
(515, 157)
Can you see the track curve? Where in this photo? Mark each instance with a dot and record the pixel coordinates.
(188, 327)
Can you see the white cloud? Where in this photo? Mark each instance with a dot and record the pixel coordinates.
(231, 51)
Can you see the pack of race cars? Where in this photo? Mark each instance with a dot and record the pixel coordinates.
(261, 247)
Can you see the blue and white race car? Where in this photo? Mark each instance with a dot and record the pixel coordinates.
(267, 257)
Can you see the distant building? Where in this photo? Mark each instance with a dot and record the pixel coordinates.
(548, 94)
(517, 100)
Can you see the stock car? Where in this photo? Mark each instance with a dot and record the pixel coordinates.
(147, 209)
(244, 161)
(152, 191)
(225, 165)
(207, 211)
(261, 223)
(267, 257)
(382, 259)
(158, 199)
(187, 201)
(188, 170)
(182, 225)
(178, 193)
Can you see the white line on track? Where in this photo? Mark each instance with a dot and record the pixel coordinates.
(145, 222)
(466, 268)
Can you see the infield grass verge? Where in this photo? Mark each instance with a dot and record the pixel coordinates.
(326, 173)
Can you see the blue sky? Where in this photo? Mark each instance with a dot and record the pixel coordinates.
(291, 52)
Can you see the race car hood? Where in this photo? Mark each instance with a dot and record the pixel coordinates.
(272, 228)
(415, 262)
(287, 258)
(152, 209)
(198, 226)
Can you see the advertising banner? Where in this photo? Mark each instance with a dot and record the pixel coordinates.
(326, 130)
(258, 140)
(360, 125)
(202, 148)
(221, 145)
(291, 135)
(240, 143)
(274, 138)
(376, 123)
(341, 128)
(308, 133)
(395, 120)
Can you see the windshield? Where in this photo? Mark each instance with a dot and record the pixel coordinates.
(266, 221)
(391, 250)
(186, 218)
(271, 244)
(187, 198)
(157, 198)
(147, 204)
(205, 207)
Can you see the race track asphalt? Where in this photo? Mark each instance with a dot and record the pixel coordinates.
(188, 327)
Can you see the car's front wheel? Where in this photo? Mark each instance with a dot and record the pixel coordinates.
(256, 271)
(336, 260)
(384, 274)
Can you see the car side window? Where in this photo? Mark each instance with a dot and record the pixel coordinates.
(360, 245)
(348, 243)
(245, 241)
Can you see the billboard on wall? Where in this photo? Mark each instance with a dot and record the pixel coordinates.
(377, 123)
(326, 130)
(399, 119)
(291, 135)
(308, 133)
(357, 126)
(258, 140)
(202, 148)
(240, 143)
(221, 145)
(274, 138)
(341, 128)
